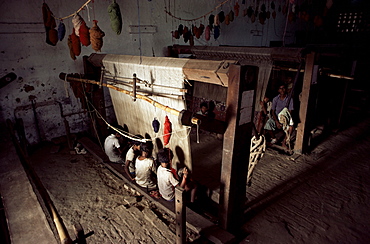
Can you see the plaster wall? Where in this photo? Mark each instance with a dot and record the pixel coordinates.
(23, 50)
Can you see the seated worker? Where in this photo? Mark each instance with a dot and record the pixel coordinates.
(278, 104)
(130, 157)
(166, 179)
(262, 116)
(145, 167)
(190, 186)
(203, 109)
(112, 148)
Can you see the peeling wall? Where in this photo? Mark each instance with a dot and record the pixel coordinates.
(23, 50)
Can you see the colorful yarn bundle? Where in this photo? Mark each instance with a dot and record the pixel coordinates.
(77, 22)
(115, 17)
(167, 130)
(70, 46)
(61, 31)
(76, 44)
(155, 125)
(84, 34)
(96, 37)
(49, 23)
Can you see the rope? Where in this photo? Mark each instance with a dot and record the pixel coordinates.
(71, 15)
(175, 17)
(257, 150)
(131, 136)
(91, 117)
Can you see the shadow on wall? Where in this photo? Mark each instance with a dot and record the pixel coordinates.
(181, 157)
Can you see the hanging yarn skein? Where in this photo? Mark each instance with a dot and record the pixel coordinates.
(115, 17)
(96, 37)
(50, 24)
(155, 125)
(77, 22)
(61, 31)
(84, 34)
(167, 130)
(76, 44)
(70, 46)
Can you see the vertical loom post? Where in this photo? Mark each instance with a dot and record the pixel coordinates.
(180, 215)
(301, 143)
(236, 146)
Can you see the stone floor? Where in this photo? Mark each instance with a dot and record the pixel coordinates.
(321, 197)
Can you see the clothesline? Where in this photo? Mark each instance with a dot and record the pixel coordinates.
(131, 136)
(218, 6)
(79, 10)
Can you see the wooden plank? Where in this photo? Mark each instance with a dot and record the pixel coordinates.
(180, 210)
(235, 155)
(302, 133)
(214, 72)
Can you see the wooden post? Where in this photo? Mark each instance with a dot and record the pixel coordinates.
(180, 209)
(237, 139)
(302, 133)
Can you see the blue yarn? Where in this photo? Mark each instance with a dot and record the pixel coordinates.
(156, 125)
(216, 32)
(61, 31)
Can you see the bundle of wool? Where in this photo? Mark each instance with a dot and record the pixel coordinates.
(216, 32)
(84, 34)
(49, 20)
(77, 22)
(199, 31)
(115, 17)
(227, 19)
(180, 29)
(45, 10)
(194, 29)
(96, 37)
(236, 8)
(76, 44)
(231, 16)
(61, 31)
(191, 40)
(211, 20)
(50, 24)
(175, 34)
(216, 20)
(221, 16)
(53, 36)
(156, 125)
(167, 131)
(186, 34)
(208, 33)
(70, 45)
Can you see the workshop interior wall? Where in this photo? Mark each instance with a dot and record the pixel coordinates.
(37, 64)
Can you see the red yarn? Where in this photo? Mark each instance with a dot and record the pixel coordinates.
(76, 44)
(167, 130)
(84, 34)
(53, 36)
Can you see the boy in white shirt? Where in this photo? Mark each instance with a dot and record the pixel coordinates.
(145, 166)
(165, 178)
(130, 157)
(112, 148)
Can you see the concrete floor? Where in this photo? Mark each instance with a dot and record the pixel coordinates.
(322, 197)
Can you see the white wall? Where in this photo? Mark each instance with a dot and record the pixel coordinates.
(23, 50)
